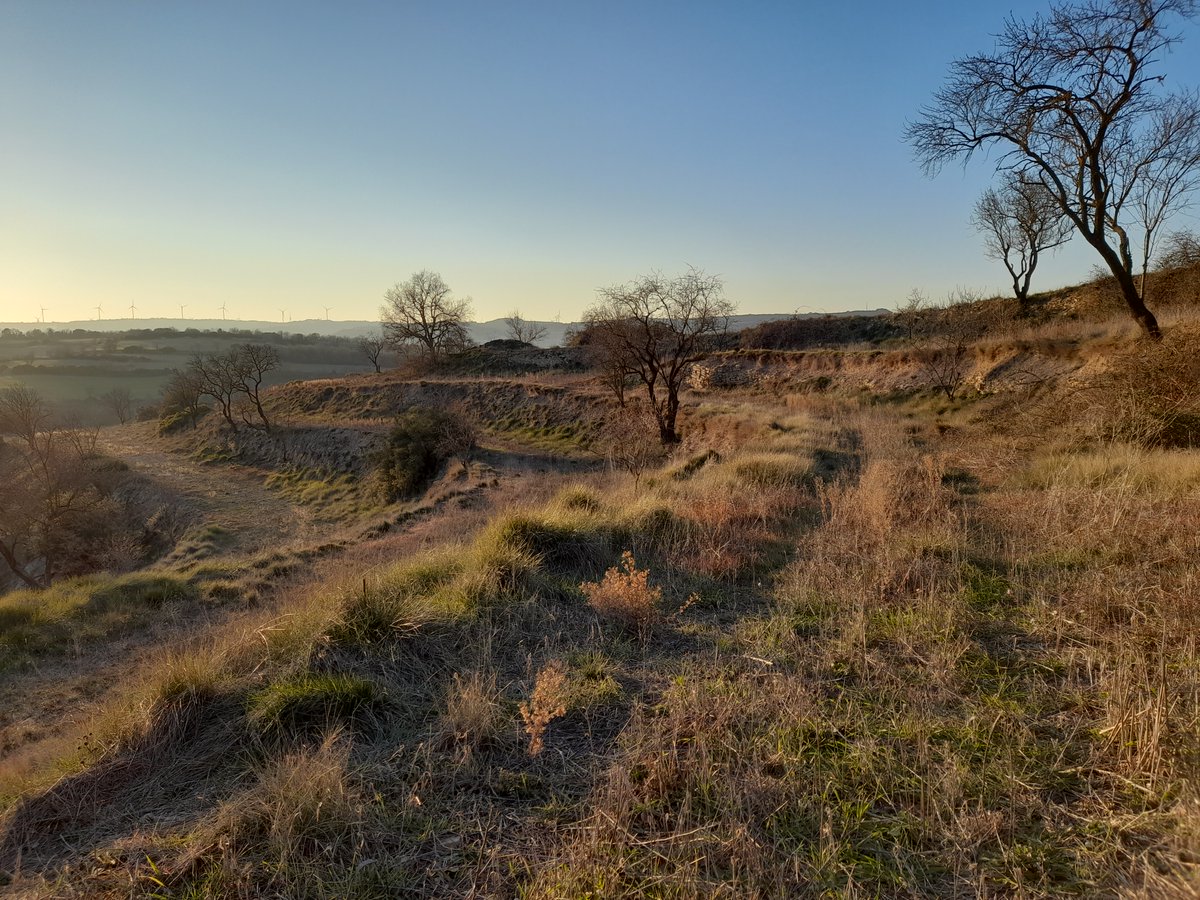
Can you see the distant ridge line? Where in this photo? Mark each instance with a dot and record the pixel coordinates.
(480, 332)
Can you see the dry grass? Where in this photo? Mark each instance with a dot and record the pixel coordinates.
(914, 665)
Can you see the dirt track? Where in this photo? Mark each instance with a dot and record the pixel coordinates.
(232, 496)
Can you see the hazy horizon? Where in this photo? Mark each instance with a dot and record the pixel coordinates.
(300, 156)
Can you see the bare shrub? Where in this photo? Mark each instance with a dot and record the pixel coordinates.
(1148, 394)
(628, 440)
(1180, 248)
(547, 703)
(472, 718)
(947, 356)
(57, 510)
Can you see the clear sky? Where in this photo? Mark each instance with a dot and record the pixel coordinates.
(298, 155)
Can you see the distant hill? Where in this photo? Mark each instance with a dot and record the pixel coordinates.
(480, 332)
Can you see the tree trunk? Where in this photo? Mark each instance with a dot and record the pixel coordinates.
(1129, 292)
(262, 415)
(11, 559)
(666, 426)
(1137, 308)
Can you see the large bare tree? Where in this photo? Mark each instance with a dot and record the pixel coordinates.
(1073, 101)
(421, 313)
(654, 328)
(1019, 221)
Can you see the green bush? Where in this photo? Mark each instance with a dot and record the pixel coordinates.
(420, 441)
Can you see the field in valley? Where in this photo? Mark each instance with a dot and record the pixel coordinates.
(74, 369)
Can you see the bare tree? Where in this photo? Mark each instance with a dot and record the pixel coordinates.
(234, 380)
(1180, 248)
(523, 330)
(120, 401)
(656, 327)
(1071, 102)
(54, 508)
(250, 364)
(216, 378)
(183, 394)
(1019, 222)
(373, 348)
(421, 313)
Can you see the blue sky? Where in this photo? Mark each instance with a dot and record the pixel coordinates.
(297, 155)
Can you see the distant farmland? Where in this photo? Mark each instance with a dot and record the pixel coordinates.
(73, 369)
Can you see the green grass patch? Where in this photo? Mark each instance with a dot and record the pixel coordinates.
(764, 470)
(337, 497)
(312, 703)
(82, 610)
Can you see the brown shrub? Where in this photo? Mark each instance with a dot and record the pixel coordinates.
(547, 703)
(625, 595)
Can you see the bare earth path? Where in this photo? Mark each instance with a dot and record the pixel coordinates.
(229, 495)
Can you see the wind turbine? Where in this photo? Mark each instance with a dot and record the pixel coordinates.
(98, 311)
(182, 307)
(222, 312)
(132, 311)
(43, 315)
(327, 309)
(283, 315)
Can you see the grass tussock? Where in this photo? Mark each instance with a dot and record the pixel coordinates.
(1119, 467)
(313, 703)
